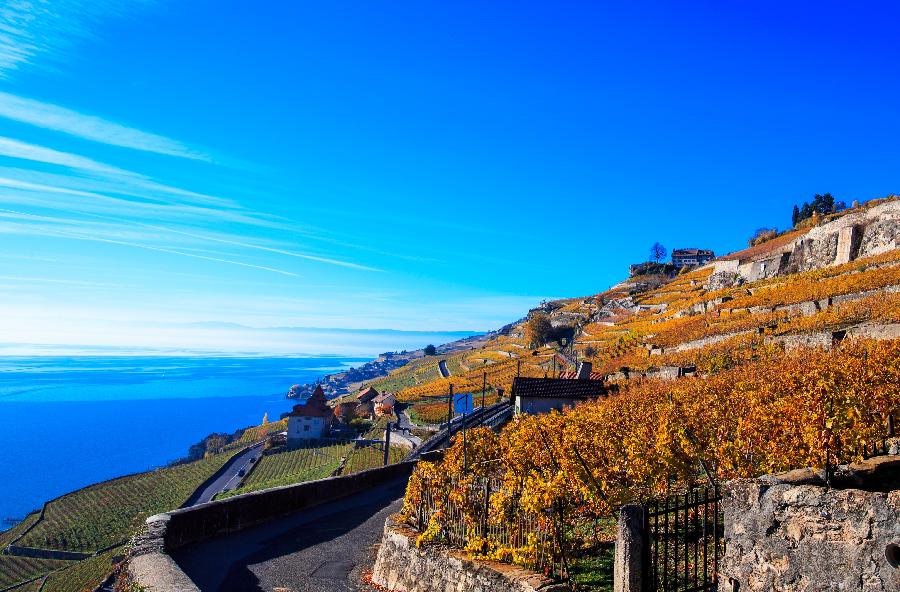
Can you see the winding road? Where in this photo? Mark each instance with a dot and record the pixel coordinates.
(442, 366)
(228, 478)
(323, 549)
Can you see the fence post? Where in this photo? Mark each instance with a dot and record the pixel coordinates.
(387, 442)
(628, 572)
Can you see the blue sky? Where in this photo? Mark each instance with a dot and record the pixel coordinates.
(165, 165)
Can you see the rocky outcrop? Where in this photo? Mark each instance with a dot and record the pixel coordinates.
(857, 234)
(861, 232)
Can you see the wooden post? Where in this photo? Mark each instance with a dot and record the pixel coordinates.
(449, 416)
(387, 442)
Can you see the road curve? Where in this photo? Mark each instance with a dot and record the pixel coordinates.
(228, 476)
(323, 549)
(442, 366)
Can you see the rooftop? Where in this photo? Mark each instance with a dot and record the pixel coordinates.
(557, 388)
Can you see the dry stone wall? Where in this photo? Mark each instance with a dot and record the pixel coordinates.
(783, 537)
(402, 567)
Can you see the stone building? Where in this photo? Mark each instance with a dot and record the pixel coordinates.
(311, 420)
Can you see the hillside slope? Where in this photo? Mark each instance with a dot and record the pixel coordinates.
(839, 277)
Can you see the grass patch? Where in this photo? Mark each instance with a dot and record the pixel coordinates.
(595, 572)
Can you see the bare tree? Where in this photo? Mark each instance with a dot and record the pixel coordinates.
(658, 252)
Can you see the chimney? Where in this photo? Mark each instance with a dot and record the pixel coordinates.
(584, 371)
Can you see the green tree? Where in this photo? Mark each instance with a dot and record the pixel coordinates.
(430, 350)
(795, 215)
(805, 211)
(538, 329)
(823, 204)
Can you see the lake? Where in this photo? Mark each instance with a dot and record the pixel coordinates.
(67, 422)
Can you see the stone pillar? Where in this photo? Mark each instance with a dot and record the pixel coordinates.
(630, 542)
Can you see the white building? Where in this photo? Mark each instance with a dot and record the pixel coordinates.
(311, 420)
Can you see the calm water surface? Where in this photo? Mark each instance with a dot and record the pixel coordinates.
(68, 422)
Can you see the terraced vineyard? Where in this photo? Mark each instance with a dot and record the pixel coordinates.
(84, 575)
(109, 512)
(370, 457)
(14, 570)
(294, 466)
(317, 460)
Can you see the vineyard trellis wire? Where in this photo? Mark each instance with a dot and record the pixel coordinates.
(531, 540)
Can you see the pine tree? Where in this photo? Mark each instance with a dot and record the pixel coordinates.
(806, 211)
(795, 215)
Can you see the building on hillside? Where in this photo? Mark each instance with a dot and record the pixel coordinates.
(366, 395)
(542, 395)
(345, 411)
(311, 420)
(685, 257)
(365, 410)
(384, 404)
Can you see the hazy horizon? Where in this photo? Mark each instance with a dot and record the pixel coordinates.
(405, 166)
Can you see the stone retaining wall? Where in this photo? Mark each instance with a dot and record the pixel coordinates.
(152, 569)
(807, 538)
(402, 567)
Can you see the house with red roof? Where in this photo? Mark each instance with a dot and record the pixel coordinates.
(310, 420)
(367, 394)
(384, 403)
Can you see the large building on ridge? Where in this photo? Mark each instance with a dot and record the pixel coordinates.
(685, 257)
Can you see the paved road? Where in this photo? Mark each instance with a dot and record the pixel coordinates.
(442, 366)
(229, 477)
(324, 549)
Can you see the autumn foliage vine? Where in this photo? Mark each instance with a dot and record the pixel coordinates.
(778, 412)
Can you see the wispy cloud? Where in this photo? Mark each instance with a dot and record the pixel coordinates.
(90, 127)
(22, 150)
(246, 245)
(94, 236)
(30, 29)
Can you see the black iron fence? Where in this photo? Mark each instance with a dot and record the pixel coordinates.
(684, 541)
(465, 520)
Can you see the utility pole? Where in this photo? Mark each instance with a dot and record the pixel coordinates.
(483, 389)
(449, 417)
(465, 458)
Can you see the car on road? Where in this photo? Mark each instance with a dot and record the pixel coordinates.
(242, 472)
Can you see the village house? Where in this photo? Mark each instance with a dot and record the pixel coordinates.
(542, 395)
(365, 410)
(384, 404)
(311, 420)
(685, 257)
(345, 411)
(367, 394)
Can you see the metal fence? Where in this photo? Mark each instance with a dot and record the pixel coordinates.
(684, 534)
(469, 523)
